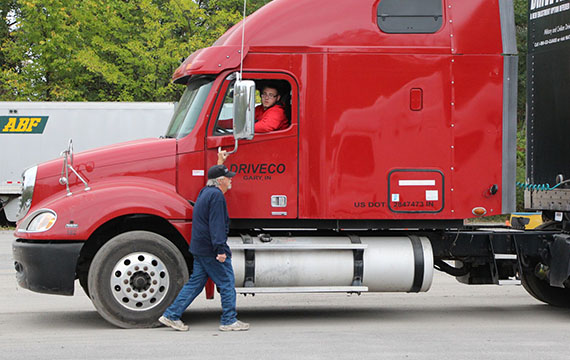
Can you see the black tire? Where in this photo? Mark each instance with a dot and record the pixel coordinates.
(134, 277)
(542, 291)
(549, 225)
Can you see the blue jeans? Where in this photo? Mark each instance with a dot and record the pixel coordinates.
(223, 276)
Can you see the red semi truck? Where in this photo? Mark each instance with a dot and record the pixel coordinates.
(402, 123)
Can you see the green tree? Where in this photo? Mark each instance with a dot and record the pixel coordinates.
(44, 39)
(105, 50)
(220, 15)
(130, 49)
(8, 13)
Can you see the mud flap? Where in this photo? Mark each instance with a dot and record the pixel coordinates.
(560, 264)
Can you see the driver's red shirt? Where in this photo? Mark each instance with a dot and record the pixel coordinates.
(271, 119)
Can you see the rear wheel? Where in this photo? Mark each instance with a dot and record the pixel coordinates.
(541, 290)
(134, 277)
(538, 288)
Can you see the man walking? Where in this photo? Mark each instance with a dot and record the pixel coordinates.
(212, 255)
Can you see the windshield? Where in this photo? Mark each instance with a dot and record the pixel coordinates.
(189, 108)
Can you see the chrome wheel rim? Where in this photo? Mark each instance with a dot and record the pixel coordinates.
(139, 281)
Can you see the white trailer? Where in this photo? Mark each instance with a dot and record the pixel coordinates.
(34, 132)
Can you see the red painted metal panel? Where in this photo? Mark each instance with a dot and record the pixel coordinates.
(265, 167)
(357, 128)
(475, 26)
(109, 199)
(148, 158)
(316, 26)
(477, 133)
(191, 174)
(211, 60)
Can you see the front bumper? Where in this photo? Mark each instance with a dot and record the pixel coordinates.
(46, 267)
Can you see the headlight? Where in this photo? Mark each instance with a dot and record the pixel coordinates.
(29, 176)
(43, 221)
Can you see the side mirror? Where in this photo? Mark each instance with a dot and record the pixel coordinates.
(244, 109)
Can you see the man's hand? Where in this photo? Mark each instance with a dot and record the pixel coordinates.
(222, 156)
(221, 257)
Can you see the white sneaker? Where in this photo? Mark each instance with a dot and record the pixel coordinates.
(237, 326)
(175, 324)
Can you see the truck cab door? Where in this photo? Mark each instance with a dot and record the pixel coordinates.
(266, 184)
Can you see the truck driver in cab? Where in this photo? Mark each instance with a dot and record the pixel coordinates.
(270, 114)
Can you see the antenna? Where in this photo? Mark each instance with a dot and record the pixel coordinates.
(242, 41)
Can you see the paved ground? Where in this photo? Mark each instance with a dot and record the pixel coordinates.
(450, 321)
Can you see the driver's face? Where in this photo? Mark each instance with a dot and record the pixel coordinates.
(269, 97)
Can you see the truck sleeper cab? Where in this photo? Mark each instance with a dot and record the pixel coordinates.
(401, 117)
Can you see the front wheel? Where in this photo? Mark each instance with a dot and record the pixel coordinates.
(134, 277)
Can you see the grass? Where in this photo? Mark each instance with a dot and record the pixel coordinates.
(489, 219)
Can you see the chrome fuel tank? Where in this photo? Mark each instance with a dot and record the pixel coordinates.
(375, 264)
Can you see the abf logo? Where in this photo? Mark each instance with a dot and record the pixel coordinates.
(22, 124)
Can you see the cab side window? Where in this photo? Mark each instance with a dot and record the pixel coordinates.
(224, 121)
(410, 16)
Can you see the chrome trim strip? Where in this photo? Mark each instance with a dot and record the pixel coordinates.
(510, 76)
(272, 247)
(29, 182)
(301, 289)
(508, 30)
